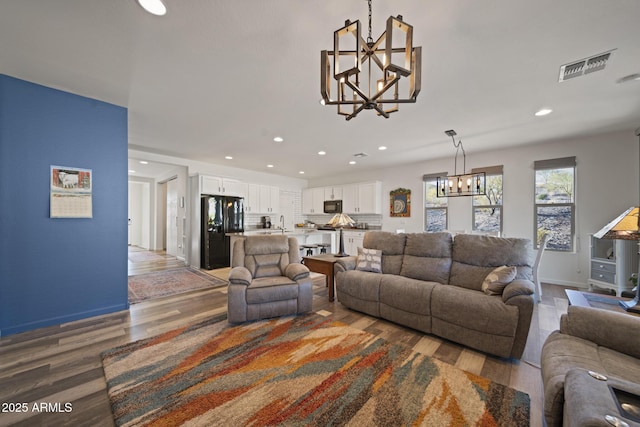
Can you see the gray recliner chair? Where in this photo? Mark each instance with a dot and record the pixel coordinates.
(267, 279)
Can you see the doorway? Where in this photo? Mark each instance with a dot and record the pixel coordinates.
(139, 207)
(171, 218)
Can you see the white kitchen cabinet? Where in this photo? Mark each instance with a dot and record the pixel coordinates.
(362, 198)
(313, 200)
(352, 241)
(269, 199)
(332, 193)
(221, 186)
(252, 200)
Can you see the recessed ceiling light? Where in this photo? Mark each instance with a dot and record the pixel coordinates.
(382, 148)
(543, 112)
(154, 7)
(278, 139)
(143, 162)
(322, 153)
(269, 166)
(301, 172)
(630, 78)
(352, 162)
(228, 157)
(132, 171)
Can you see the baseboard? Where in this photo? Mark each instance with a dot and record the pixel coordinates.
(579, 285)
(61, 319)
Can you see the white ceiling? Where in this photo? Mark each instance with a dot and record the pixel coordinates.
(215, 78)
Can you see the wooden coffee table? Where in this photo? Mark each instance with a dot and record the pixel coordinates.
(322, 264)
(589, 299)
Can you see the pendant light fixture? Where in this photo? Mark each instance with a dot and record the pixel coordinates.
(368, 75)
(466, 184)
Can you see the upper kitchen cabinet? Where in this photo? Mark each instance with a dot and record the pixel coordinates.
(362, 198)
(313, 201)
(221, 186)
(333, 193)
(252, 200)
(269, 199)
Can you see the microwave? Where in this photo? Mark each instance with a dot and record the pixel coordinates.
(333, 206)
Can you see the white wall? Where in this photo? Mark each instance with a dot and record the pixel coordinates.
(606, 184)
(189, 231)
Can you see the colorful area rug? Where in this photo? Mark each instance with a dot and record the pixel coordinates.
(296, 371)
(169, 282)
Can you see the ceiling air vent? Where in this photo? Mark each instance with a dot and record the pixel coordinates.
(584, 66)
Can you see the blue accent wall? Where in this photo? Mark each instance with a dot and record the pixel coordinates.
(59, 270)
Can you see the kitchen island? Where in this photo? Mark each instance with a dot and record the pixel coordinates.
(304, 236)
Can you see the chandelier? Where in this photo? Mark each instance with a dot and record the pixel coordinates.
(466, 184)
(370, 75)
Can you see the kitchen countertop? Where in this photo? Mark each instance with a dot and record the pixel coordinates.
(294, 232)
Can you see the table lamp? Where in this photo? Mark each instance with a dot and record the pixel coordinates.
(625, 227)
(341, 220)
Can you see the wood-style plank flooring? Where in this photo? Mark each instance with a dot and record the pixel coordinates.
(61, 364)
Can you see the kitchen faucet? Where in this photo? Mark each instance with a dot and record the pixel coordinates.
(282, 223)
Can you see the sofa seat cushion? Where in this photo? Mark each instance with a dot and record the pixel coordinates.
(409, 295)
(474, 311)
(269, 289)
(560, 353)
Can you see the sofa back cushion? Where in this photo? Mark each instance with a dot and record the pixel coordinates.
(265, 256)
(392, 247)
(427, 256)
(475, 256)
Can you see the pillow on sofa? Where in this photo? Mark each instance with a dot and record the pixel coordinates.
(369, 260)
(498, 279)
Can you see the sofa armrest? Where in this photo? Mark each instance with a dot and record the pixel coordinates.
(296, 271)
(517, 287)
(240, 276)
(617, 331)
(344, 264)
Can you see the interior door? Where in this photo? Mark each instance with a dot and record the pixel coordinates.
(172, 217)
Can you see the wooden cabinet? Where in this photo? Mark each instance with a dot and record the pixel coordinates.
(221, 186)
(362, 198)
(313, 201)
(612, 263)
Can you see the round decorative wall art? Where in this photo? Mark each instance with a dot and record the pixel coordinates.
(400, 202)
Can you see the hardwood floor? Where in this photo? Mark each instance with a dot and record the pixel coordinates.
(61, 364)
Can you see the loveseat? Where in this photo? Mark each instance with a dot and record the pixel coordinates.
(433, 283)
(589, 339)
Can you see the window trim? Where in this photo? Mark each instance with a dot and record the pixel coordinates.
(428, 179)
(549, 164)
(489, 171)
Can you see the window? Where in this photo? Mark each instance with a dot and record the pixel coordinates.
(435, 208)
(555, 202)
(487, 209)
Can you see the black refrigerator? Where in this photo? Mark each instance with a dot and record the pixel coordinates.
(220, 215)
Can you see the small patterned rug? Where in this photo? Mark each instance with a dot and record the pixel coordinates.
(140, 256)
(169, 282)
(296, 371)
